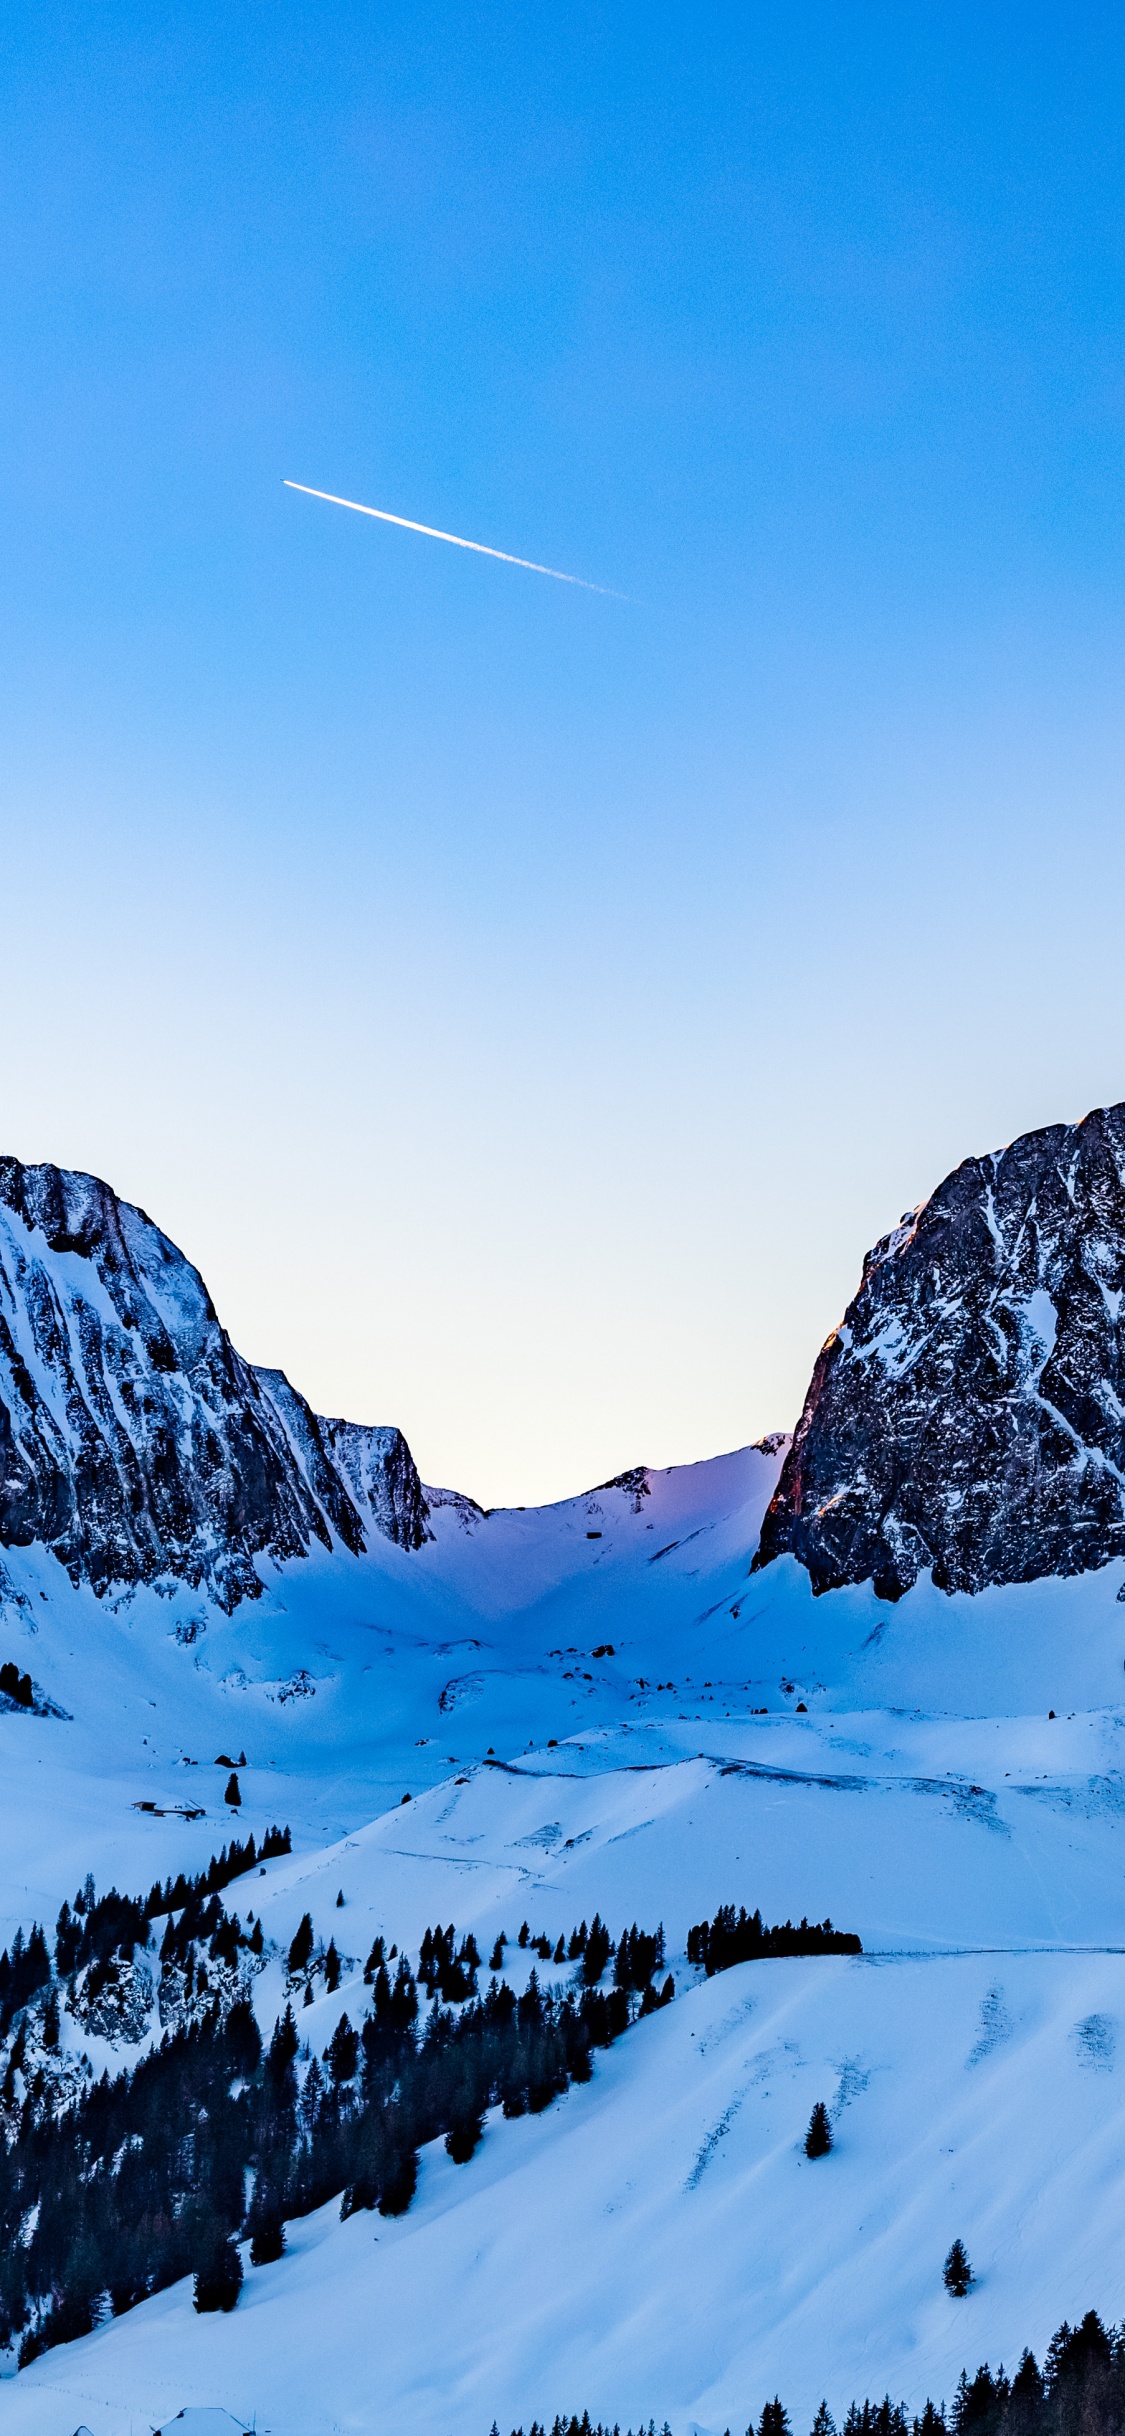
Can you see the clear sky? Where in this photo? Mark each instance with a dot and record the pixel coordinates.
(526, 1006)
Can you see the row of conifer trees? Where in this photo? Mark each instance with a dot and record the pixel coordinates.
(1079, 2391)
(733, 1937)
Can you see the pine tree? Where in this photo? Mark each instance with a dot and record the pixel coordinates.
(818, 2138)
(283, 2046)
(242, 2039)
(342, 2052)
(597, 1951)
(465, 2129)
(1025, 2401)
(824, 2423)
(957, 2275)
(232, 1795)
(332, 1968)
(399, 2181)
(300, 1952)
(218, 2278)
(774, 2420)
(267, 2228)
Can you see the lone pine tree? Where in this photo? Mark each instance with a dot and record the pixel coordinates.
(301, 1949)
(818, 2138)
(957, 2275)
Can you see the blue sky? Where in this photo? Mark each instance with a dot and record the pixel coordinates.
(527, 1006)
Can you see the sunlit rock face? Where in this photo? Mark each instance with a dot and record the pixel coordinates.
(968, 1416)
(135, 1442)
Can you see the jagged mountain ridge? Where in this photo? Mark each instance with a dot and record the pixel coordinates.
(967, 1418)
(968, 1415)
(135, 1442)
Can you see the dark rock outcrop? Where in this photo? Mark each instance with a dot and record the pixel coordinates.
(968, 1416)
(381, 1477)
(134, 1441)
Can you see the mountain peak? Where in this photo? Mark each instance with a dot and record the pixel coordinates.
(968, 1415)
(135, 1442)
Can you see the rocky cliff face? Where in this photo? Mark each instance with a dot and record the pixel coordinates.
(968, 1416)
(134, 1441)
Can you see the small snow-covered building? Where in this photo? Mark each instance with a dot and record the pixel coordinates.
(203, 2421)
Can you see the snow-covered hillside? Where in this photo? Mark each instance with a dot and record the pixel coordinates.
(598, 1706)
(657, 2241)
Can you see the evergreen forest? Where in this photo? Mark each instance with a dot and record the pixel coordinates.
(114, 2188)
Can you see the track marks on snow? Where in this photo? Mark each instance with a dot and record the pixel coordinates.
(851, 2081)
(763, 2069)
(708, 2147)
(995, 2027)
(1096, 2042)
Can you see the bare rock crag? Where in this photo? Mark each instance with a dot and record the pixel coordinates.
(135, 1442)
(968, 1416)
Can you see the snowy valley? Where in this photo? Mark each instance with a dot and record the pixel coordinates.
(605, 1707)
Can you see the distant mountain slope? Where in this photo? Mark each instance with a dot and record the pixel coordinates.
(135, 1443)
(968, 1416)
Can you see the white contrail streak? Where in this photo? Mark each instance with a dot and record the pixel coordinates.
(431, 531)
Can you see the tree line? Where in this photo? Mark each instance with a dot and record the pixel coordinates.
(233, 1862)
(1079, 2391)
(586, 2426)
(733, 1937)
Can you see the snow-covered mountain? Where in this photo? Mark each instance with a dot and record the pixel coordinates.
(967, 1418)
(135, 1443)
(599, 1706)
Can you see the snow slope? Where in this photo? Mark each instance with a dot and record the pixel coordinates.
(657, 2241)
(352, 1679)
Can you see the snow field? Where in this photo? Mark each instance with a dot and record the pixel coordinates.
(656, 2243)
(659, 2242)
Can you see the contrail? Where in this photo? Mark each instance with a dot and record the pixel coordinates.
(385, 517)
